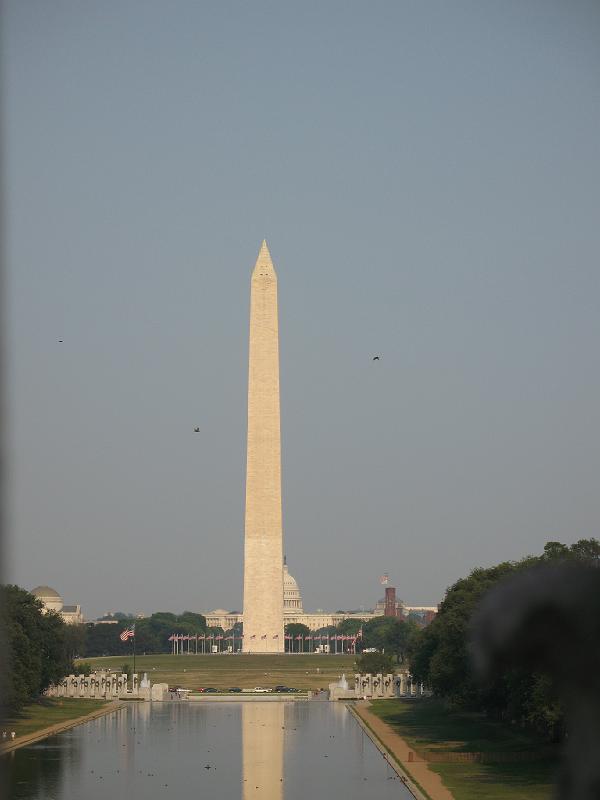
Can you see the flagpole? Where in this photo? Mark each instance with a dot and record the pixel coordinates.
(133, 637)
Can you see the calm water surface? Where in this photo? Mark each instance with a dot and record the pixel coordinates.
(217, 751)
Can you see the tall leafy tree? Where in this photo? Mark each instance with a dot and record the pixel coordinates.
(441, 659)
(36, 652)
(294, 629)
(349, 627)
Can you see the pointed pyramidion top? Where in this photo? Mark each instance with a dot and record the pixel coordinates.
(264, 265)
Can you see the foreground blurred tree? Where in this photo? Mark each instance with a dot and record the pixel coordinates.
(441, 657)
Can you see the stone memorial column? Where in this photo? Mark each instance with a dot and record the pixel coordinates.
(368, 687)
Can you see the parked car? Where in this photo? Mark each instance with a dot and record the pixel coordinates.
(207, 689)
(261, 689)
(281, 689)
(234, 689)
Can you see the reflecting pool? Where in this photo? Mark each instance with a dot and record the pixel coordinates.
(217, 751)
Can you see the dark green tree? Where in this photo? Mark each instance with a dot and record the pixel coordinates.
(374, 663)
(294, 629)
(350, 627)
(75, 640)
(440, 652)
(35, 650)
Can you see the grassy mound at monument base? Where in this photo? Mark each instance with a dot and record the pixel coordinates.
(46, 712)
(433, 731)
(244, 671)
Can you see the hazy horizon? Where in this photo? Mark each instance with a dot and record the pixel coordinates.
(427, 177)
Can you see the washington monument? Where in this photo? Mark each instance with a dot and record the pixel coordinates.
(263, 548)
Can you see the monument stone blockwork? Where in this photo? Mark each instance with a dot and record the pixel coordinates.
(263, 543)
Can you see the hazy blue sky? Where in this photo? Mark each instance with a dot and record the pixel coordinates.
(427, 175)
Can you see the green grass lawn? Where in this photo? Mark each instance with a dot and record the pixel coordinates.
(246, 671)
(49, 711)
(427, 726)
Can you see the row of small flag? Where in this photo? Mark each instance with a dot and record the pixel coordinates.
(199, 636)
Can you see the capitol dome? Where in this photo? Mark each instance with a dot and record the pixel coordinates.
(292, 599)
(51, 600)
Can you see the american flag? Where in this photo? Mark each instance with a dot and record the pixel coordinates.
(127, 633)
(384, 578)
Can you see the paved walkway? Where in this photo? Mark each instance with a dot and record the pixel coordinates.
(43, 733)
(416, 767)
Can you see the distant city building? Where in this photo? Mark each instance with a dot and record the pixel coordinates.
(293, 610)
(52, 601)
(113, 618)
(292, 599)
(390, 608)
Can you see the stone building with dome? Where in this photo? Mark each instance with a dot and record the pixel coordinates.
(293, 610)
(52, 601)
(292, 599)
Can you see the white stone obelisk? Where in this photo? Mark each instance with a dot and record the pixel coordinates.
(263, 550)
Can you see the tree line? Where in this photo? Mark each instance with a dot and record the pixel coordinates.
(151, 634)
(439, 654)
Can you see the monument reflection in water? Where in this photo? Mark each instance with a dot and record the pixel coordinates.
(263, 727)
(220, 751)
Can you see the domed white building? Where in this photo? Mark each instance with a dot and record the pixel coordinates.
(293, 610)
(292, 599)
(52, 601)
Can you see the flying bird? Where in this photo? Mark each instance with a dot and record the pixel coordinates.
(376, 358)
(196, 430)
(60, 341)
